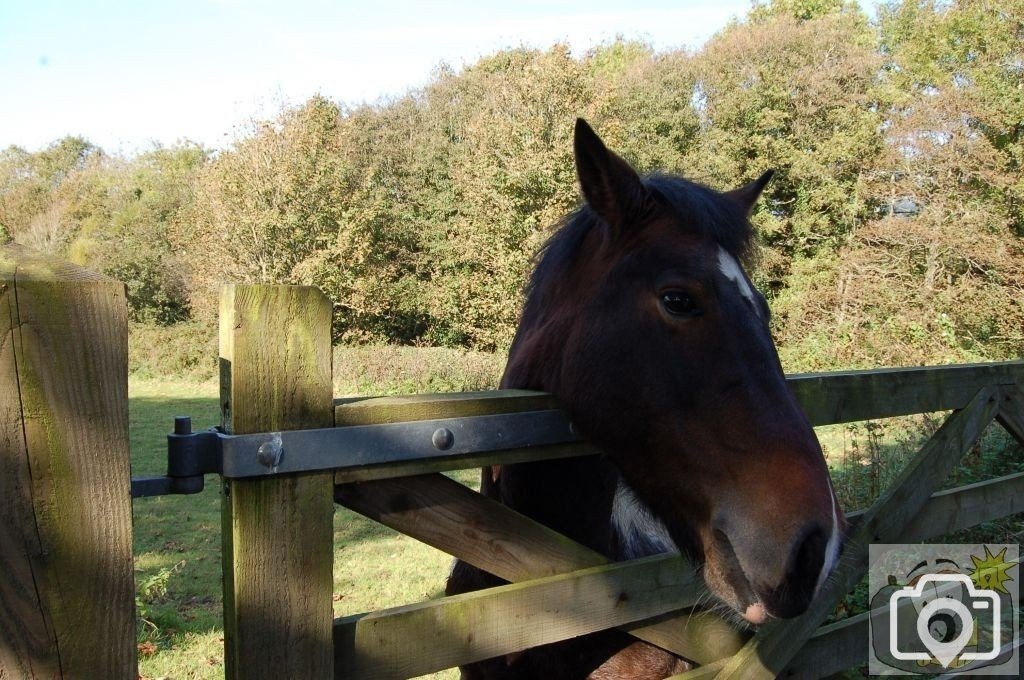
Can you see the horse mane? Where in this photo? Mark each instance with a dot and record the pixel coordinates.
(705, 210)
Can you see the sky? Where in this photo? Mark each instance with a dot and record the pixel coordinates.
(127, 74)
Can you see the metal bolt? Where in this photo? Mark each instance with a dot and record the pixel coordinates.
(269, 453)
(443, 439)
(182, 425)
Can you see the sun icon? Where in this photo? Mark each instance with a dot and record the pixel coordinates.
(992, 571)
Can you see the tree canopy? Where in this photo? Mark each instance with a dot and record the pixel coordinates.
(892, 232)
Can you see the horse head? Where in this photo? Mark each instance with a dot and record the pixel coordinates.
(642, 320)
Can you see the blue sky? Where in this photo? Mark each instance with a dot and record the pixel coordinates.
(125, 73)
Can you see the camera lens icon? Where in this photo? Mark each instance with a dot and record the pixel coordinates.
(946, 606)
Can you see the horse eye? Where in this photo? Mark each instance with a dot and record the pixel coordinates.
(679, 304)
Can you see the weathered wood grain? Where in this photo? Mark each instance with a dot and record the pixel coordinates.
(275, 346)
(448, 516)
(429, 636)
(832, 648)
(848, 396)
(381, 410)
(67, 606)
(963, 507)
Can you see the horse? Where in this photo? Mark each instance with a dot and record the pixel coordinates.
(641, 320)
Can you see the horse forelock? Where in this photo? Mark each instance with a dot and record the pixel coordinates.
(700, 210)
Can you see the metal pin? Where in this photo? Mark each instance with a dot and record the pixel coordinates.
(443, 439)
(182, 425)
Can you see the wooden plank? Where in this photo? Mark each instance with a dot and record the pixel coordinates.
(827, 398)
(1011, 411)
(275, 347)
(407, 468)
(381, 410)
(429, 636)
(446, 515)
(964, 507)
(847, 396)
(777, 642)
(832, 648)
(67, 606)
(694, 634)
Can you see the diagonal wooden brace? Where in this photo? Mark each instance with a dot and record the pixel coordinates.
(446, 515)
(1011, 411)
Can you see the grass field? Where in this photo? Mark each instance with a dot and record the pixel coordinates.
(177, 539)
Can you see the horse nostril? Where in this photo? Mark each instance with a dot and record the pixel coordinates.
(806, 561)
(811, 551)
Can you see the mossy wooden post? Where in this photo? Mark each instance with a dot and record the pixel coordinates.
(67, 607)
(275, 356)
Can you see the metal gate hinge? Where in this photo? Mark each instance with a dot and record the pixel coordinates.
(236, 456)
(190, 455)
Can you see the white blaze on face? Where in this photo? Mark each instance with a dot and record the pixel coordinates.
(832, 548)
(728, 265)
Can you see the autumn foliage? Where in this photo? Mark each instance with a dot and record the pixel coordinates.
(893, 232)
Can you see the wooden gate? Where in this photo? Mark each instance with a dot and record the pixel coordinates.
(66, 607)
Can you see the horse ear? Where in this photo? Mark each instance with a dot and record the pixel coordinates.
(746, 196)
(610, 186)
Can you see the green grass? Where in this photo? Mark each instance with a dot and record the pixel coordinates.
(177, 549)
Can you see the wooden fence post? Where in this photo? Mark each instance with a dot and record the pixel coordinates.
(67, 607)
(275, 359)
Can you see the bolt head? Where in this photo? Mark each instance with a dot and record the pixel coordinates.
(269, 453)
(443, 439)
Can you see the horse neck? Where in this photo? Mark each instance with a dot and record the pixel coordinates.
(573, 495)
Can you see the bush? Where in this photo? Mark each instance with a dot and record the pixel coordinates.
(185, 351)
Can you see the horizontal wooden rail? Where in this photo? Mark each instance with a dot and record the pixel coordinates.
(963, 507)
(849, 396)
(430, 636)
(827, 398)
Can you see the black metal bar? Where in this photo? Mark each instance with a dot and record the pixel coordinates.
(144, 487)
(192, 455)
(258, 455)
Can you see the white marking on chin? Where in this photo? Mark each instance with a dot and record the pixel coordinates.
(831, 548)
(728, 265)
(640, 533)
